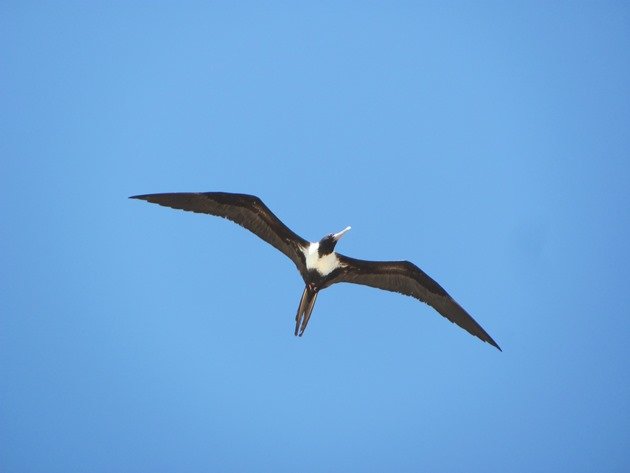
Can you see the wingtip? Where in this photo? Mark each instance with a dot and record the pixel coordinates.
(495, 345)
(145, 197)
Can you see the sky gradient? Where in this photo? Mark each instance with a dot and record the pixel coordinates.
(488, 143)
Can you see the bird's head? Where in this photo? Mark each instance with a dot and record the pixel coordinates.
(327, 244)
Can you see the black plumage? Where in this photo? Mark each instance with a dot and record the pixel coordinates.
(318, 264)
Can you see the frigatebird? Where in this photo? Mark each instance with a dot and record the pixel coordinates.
(317, 262)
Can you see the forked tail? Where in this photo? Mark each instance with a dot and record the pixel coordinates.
(307, 302)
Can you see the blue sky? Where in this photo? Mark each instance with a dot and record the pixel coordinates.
(486, 142)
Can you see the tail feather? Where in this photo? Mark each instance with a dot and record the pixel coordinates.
(307, 312)
(300, 311)
(307, 303)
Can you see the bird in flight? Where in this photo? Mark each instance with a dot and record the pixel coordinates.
(317, 262)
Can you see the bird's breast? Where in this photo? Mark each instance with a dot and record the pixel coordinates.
(324, 265)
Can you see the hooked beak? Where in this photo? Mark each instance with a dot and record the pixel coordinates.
(337, 236)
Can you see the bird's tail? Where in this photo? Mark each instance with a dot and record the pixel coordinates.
(307, 302)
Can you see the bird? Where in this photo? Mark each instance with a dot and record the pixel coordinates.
(318, 263)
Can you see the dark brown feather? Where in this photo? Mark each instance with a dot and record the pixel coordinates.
(406, 278)
(246, 210)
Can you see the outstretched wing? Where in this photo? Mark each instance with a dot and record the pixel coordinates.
(406, 278)
(246, 210)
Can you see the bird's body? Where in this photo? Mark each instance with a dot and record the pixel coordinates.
(319, 265)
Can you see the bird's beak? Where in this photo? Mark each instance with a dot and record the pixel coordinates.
(337, 236)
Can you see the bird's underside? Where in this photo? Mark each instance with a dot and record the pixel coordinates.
(318, 264)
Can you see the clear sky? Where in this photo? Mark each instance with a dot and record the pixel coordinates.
(489, 143)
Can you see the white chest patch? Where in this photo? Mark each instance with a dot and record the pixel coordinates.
(324, 265)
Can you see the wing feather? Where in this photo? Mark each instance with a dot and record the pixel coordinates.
(246, 210)
(406, 278)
